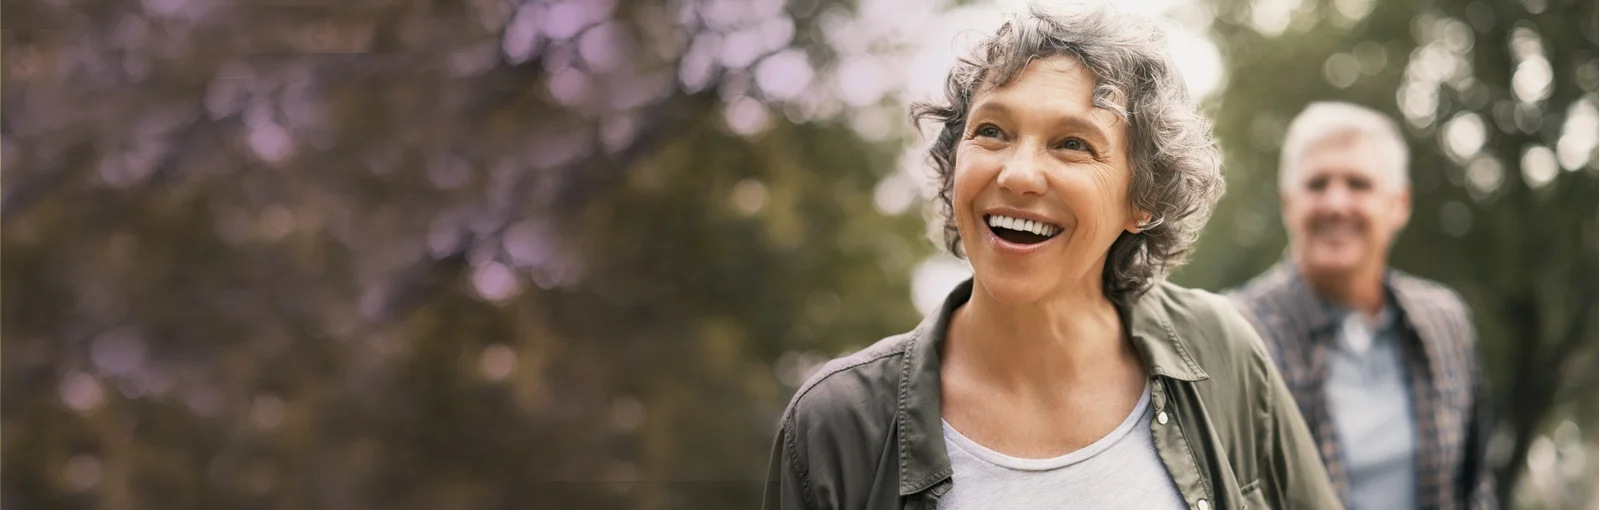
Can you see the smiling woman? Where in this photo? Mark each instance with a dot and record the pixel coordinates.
(1137, 116)
(1037, 154)
(1074, 173)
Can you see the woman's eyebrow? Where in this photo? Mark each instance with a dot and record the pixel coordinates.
(1084, 124)
(991, 107)
(1088, 127)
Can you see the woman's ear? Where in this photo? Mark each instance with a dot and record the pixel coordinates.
(1138, 221)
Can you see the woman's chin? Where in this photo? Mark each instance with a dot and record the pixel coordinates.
(1015, 288)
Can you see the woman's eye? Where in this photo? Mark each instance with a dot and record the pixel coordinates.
(1074, 144)
(988, 131)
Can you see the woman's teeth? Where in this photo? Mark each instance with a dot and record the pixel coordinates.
(1045, 230)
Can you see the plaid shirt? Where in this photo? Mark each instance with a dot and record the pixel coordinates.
(1448, 397)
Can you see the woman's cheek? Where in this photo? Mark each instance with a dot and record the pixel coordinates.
(968, 164)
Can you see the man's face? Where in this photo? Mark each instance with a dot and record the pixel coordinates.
(1344, 209)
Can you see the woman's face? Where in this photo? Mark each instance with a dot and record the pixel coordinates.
(1041, 183)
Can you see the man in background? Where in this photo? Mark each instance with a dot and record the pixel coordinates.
(1383, 364)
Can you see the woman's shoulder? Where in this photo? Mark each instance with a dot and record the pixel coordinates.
(1195, 311)
(1210, 329)
(1207, 326)
(847, 387)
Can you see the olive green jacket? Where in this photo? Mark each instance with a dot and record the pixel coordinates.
(864, 432)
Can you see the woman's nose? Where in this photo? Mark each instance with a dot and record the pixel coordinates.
(1023, 173)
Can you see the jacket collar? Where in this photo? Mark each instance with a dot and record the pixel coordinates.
(923, 459)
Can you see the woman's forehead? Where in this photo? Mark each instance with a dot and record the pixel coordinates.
(1053, 66)
(1057, 86)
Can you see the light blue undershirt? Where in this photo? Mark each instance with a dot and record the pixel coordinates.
(1371, 409)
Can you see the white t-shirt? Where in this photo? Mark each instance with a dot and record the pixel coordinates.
(1121, 470)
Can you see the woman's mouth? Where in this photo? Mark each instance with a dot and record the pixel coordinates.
(1020, 231)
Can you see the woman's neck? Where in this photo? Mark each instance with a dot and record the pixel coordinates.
(1033, 348)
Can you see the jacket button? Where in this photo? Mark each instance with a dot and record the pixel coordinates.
(1202, 505)
(1161, 418)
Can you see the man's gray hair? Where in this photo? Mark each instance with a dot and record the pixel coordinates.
(1326, 120)
(1174, 161)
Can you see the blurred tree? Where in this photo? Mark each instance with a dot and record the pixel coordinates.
(1498, 101)
(486, 254)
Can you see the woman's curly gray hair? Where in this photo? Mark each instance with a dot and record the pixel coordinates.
(1176, 175)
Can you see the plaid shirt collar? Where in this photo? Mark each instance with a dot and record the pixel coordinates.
(1322, 317)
